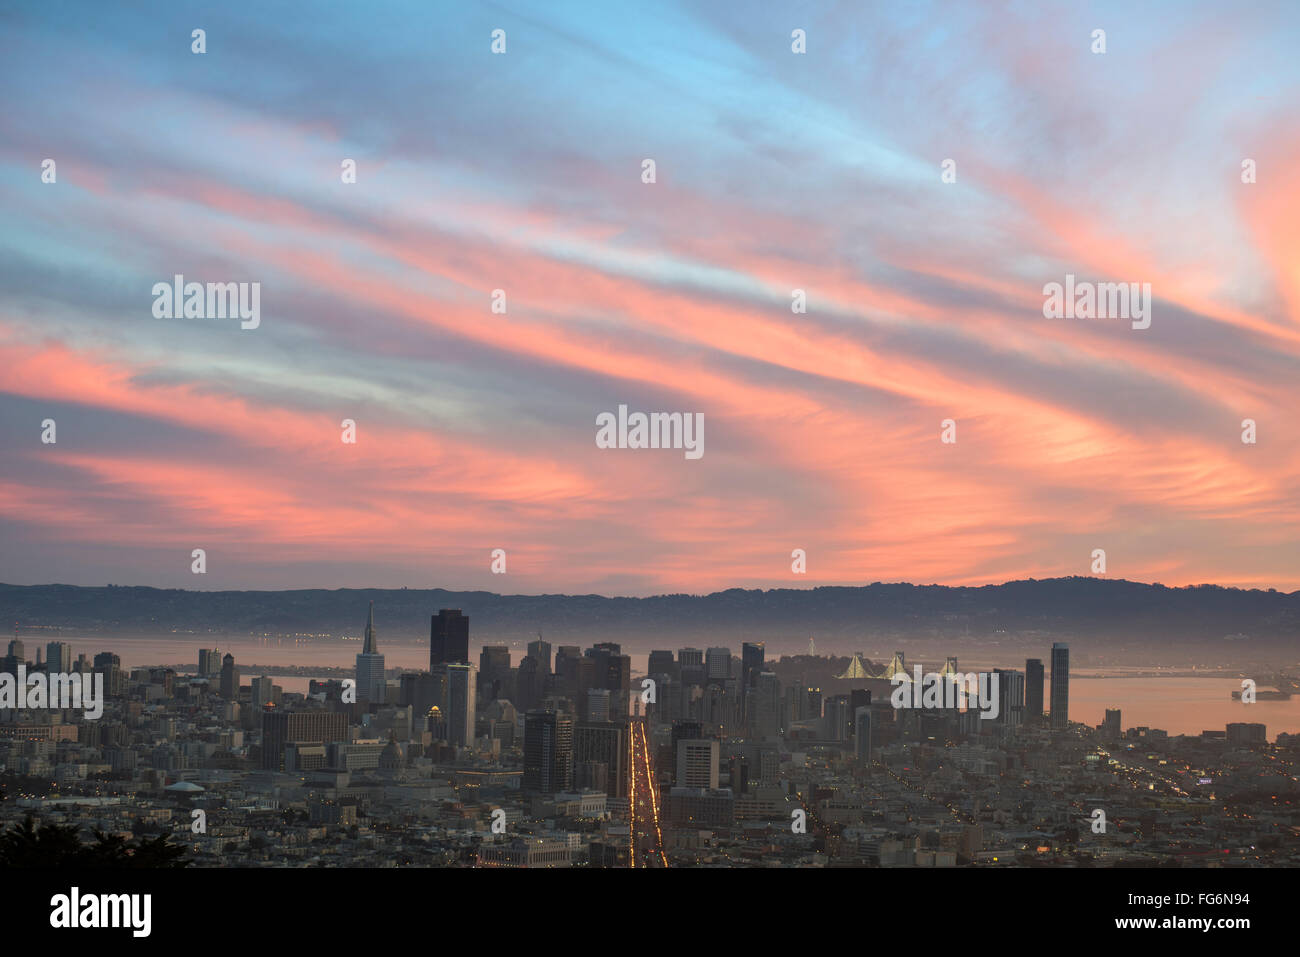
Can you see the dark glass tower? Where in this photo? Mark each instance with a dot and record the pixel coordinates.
(449, 638)
(1033, 691)
(1060, 685)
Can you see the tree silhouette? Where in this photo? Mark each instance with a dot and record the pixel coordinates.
(33, 845)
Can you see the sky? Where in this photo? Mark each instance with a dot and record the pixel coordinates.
(774, 171)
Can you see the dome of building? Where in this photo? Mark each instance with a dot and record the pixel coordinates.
(390, 759)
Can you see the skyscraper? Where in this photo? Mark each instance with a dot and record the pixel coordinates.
(448, 638)
(1060, 685)
(458, 704)
(58, 657)
(540, 652)
(661, 663)
(1033, 691)
(493, 669)
(862, 734)
(229, 677)
(371, 686)
(717, 664)
(1011, 697)
(548, 752)
(606, 743)
(209, 662)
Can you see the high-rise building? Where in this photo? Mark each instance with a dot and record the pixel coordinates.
(1111, 728)
(458, 706)
(110, 666)
(209, 662)
(493, 669)
(811, 703)
(765, 709)
(1060, 685)
(540, 652)
(717, 664)
(661, 663)
(371, 683)
(690, 664)
(606, 743)
(862, 735)
(1033, 691)
(690, 656)
(280, 728)
(1011, 697)
(837, 720)
(697, 763)
(58, 658)
(263, 692)
(751, 662)
(448, 638)
(548, 752)
(229, 678)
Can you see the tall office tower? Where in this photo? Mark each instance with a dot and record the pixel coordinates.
(457, 705)
(422, 690)
(564, 654)
(1033, 691)
(263, 692)
(493, 669)
(58, 658)
(859, 698)
(280, 728)
(568, 670)
(690, 663)
(838, 718)
(751, 662)
(607, 743)
(110, 666)
(548, 752)
(661, 663)
(229, 678)
(697, 763)
(717, 665)
(1110, 728)
(1011, 697)
(766, 713)
(812, 703)
(529, 683)
(862, 735)
(448, 638)
(540, 652)
(1060, 685)
(371, 683)
(209, 662)
(598, 704)
(18, 650)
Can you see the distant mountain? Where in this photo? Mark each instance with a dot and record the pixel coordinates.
(1105, 611)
